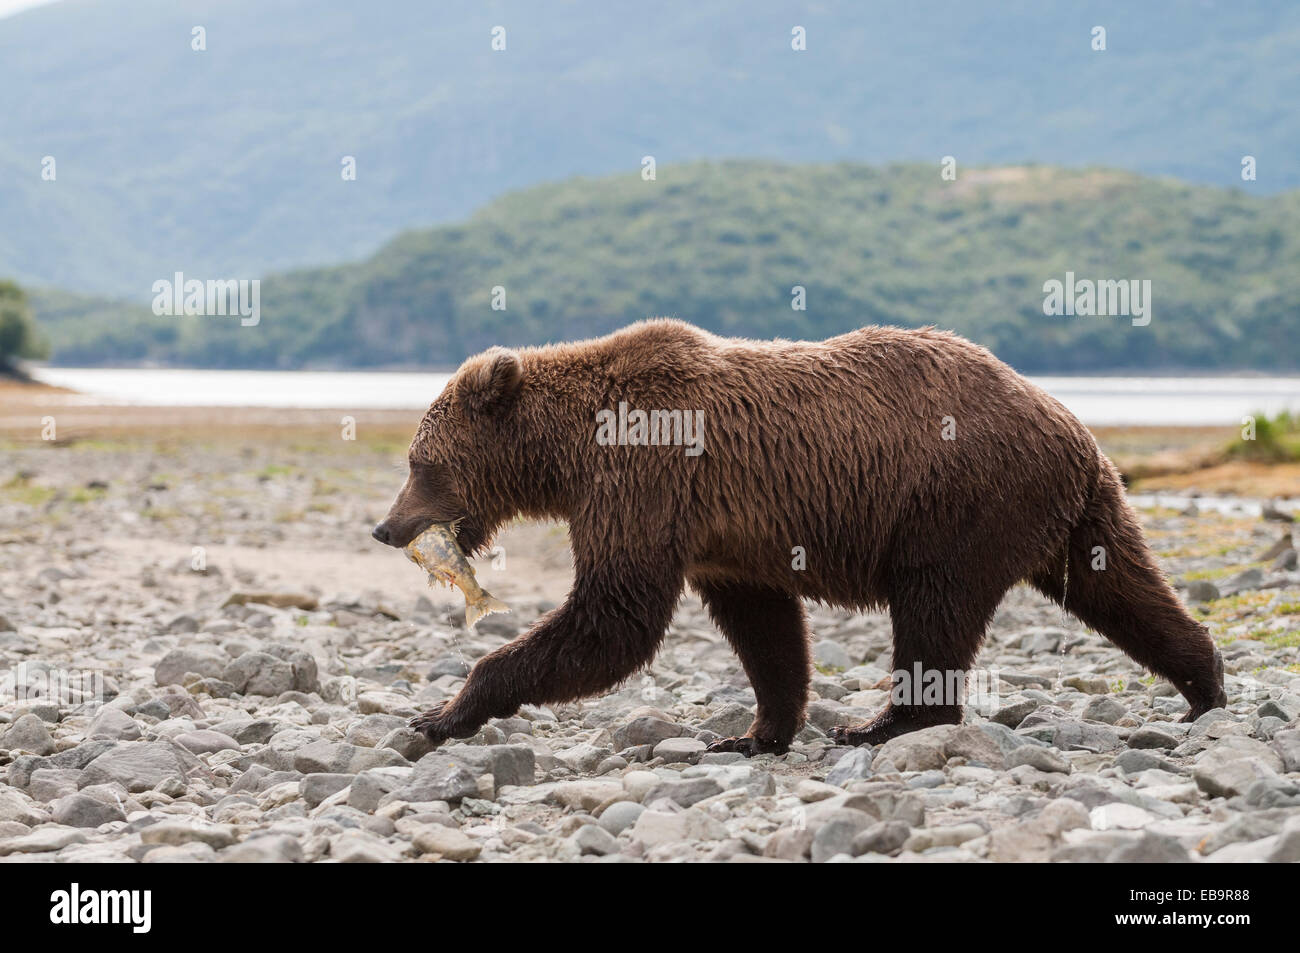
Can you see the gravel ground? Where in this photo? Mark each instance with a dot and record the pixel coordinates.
(215, 664)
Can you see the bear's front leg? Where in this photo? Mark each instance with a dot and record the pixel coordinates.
(610, 626)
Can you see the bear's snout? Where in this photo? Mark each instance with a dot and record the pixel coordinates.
(382, 533)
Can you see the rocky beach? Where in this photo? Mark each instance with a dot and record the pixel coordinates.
(204, 658)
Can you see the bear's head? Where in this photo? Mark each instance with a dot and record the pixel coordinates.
(464, 461)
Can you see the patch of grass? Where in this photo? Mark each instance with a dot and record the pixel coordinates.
(1276, 440)
(29, 495)
(160, 514)
(1284, 638)
(1218, 573)
(20, 489)
(86, 495)
(1232, 609)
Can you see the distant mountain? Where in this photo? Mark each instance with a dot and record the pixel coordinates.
(724, 244)
(226, 163)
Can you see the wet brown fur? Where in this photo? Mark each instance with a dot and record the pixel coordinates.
(834, 446)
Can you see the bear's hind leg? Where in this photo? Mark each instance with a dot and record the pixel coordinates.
(768, 631)
(938, 625)
(1116, 588)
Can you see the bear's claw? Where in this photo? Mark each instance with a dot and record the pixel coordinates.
(748, 746)
(894, 721)
(429, 724)
(851, 734)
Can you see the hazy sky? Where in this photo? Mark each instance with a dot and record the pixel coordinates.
(13, 6)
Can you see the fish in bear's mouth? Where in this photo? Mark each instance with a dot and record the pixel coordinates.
(438, 552)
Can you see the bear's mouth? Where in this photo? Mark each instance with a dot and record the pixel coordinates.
(471, 536)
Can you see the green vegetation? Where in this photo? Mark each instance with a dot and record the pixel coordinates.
(18, 335)
(723, 244)
(1276, 440)
(227, 162)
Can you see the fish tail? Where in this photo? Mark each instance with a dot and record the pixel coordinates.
(485, 604)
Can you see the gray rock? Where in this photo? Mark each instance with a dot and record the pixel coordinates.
(1233, 765)
(176, 664)
(583, 758)
(1287, 850)
(450, 842)
(317, 787)
(330, 757)
(407, 742)
(1105, 709)
(452, 665)
(952, 835)
(1270, 792)
(1287, 746)
(15, 808)
(679, 750)
(1042, 759)
(619, 816)
(369, 788)
(41, 841)
(439, 781)
(370, 730)
(1251, 578)
(730, 721)
(1006, 739)
(137, 766)
(1084, 736)
(28, 734)
(1150, 848)
(836, 832)
(1135, 762)
(259, 673)
(884, 837)
(267, 849)
(647, 730)
(1202, 590)
(179, 832)
(975, 744)
(1243, 827)
(115, 724)
(831, 655)
(305, 675)
(594, 839)
(1013, 714)
(508, 764)
(1150, 737)
(206, 742)
(683, 793)
(854, 766)
(82, 810)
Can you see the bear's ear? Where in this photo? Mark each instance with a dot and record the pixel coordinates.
(491, 381)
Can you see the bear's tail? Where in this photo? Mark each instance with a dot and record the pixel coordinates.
(1108, 579)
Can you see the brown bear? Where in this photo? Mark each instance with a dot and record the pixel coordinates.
(907, 469)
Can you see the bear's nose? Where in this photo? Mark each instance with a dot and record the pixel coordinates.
(381, 533)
